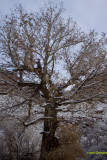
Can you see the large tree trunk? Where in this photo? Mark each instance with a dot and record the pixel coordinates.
(49, 141)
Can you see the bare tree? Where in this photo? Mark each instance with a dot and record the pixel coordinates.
(16, 142)
(32, 45)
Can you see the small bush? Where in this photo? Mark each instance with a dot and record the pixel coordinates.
(69, 145)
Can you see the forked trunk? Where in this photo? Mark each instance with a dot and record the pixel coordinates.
(49, 141)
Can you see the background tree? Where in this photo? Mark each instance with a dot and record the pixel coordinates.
(33, 46)
(16, 141)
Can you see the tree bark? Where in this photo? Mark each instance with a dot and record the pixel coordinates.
(49, 141)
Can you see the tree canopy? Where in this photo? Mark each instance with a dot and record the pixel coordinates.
(34, 45)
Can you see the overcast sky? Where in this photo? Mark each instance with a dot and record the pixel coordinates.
(89, 14)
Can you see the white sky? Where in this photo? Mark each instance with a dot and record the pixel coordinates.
(89, 14)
